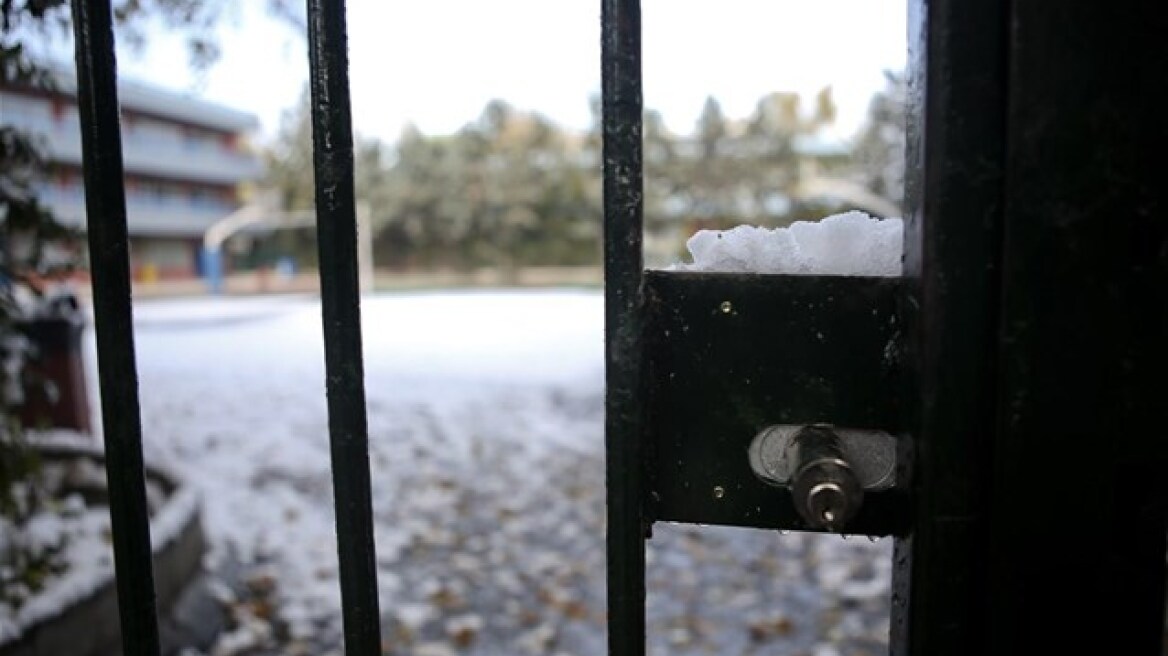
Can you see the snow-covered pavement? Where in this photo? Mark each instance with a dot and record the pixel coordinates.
(486, 448)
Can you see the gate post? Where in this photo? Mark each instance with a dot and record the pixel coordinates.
(1037, 264)
(953, 206)
(1079, 461)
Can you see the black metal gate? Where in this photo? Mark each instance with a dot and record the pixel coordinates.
(345, 385)
(1019, 363)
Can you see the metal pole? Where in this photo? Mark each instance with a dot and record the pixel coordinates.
(332, 140)
(624, 322)
(105, 206)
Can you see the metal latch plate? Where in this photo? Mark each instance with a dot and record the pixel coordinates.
(870, 453)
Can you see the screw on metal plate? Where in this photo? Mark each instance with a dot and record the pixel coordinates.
(827, 469)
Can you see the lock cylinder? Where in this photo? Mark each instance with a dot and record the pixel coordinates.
(823, 486)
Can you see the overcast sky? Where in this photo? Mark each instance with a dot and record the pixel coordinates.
(435, 63)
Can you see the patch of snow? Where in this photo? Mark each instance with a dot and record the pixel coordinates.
(538, 640)
(413, 616)
(90, 559)
(174, 516)
(487, 457)
(85, 533)
(202, 312)
(250, 634)
(434, 649)
(849, 244)
(463, 628)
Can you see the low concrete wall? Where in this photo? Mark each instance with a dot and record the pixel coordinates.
(91, 626)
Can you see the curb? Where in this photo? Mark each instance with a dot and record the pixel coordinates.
(90, 626)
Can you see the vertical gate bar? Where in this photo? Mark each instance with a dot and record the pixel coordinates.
(624, 320)
(336, 224)
(1084, 335)
(105, 207)
(953, 242)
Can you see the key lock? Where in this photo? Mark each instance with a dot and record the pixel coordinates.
(827, 469)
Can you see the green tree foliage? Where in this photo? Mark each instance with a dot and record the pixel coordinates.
(707, 178)
(879, 151)
(511, 188)
(749, 171)
(781, 152)
(508, 189)
(523, 199)
(288, 162)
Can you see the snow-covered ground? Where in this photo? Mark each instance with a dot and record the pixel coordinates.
(486, 448)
